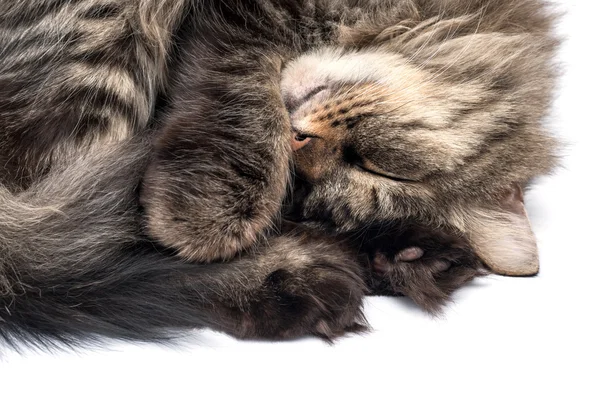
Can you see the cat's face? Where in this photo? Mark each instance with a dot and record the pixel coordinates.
(372, 135)
(380, 138)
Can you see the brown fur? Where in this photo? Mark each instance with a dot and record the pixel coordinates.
(444, 131)
(420, 118)
(77, 74)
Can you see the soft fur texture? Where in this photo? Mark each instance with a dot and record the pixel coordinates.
(139, 138)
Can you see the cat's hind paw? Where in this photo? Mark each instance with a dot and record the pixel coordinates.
(320, 299)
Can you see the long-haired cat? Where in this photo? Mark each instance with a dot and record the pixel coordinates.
(147, 149)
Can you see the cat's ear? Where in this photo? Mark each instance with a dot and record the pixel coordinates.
(502, 236)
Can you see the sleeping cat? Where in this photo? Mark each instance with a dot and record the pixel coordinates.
(141, 138)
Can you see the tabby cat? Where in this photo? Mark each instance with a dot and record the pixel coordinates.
(258, 166)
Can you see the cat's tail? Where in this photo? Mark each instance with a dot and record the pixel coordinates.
(73, 264)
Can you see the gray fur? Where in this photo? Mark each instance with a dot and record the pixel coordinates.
(176, 146)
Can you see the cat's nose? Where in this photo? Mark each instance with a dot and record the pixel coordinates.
(299, 139)
(300, 107)
(301, 130)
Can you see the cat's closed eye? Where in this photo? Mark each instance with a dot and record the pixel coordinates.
(367, 166)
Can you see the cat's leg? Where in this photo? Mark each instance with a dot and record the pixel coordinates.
(294, 285)
(424, 265)
(222, 159)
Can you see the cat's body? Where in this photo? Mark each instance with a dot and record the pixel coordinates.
(418, 118)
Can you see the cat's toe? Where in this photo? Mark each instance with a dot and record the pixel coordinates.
(381, 264)
(409, 254)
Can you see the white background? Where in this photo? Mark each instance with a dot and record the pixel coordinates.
(502, 338)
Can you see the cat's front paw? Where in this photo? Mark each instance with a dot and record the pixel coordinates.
(204, 218)
(427, 274)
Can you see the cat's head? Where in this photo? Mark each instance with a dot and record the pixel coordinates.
(445, 133)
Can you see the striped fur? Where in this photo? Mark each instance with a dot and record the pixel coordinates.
(138, 138)
(77, 73)
(433, 112)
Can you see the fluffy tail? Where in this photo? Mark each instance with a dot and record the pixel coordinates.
(73, 262)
